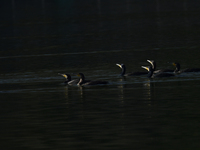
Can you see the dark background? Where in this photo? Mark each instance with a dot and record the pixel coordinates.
(41, 38)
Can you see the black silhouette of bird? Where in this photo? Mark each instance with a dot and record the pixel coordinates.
(178, 67)
(160, 74)
(123, 73)
(68, 80)
(153, 64)
(83, 82)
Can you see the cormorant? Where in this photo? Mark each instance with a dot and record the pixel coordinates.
(123, 67)
(153, 64)
(84, 82)
(69, 81)
(161, 74)
(178, 67)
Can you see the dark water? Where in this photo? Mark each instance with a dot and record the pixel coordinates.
(40, 39)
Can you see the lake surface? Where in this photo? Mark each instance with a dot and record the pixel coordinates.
(40, 39)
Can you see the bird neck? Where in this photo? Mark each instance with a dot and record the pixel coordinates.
(123, 71)
(154, 66)
(150, 73)
(177, 68)
(69, 78)
(81, 81)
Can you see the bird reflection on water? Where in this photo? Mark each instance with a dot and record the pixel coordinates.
(148, 87)
(121, 90)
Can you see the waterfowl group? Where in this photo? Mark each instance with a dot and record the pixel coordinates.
(151, 73)
(81, 81)
(166, 72)
(153, 64)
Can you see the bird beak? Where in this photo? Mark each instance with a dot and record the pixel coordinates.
(119, 65)
(145, 68)
(173, 64)
(78, 75)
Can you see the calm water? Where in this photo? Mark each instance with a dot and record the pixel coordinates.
(40, 39)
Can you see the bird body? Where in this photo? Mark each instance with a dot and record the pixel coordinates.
(161, 74)
(178, 67)
(153, 64)
(83, 82)
(123, 73)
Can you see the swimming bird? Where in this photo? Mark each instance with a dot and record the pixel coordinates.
(178, 67)
(69, 80)
(84, 82)
(123, 67)
(153, 64)
(161, 74)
